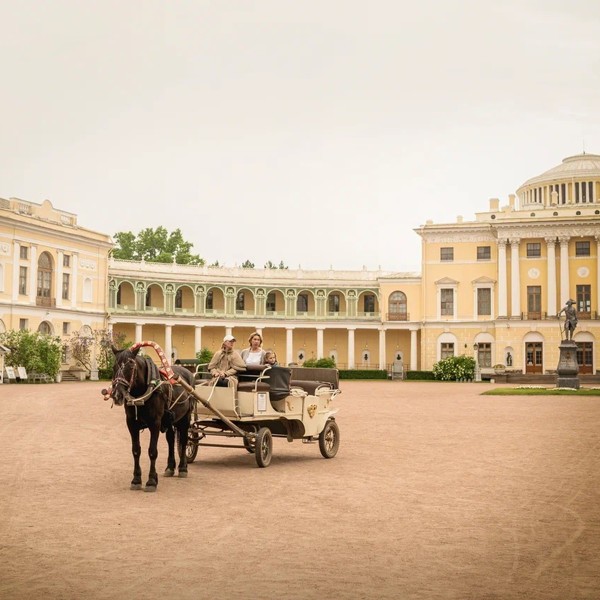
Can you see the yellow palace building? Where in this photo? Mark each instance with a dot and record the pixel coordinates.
(489, 287)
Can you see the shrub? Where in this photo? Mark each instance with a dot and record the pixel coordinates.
(363, 374)
(204, 356)
(420, 375)
(322, 363)
(455, 368)
(37, 352)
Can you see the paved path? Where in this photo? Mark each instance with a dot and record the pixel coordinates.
(437, 492)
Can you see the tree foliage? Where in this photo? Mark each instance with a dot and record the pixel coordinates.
(272, 265)
(155, 245)
(247, 265)
(204, 356)
(37, 352)
(83, 345)
(322, 363)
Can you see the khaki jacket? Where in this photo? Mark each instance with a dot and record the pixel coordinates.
(229, 362)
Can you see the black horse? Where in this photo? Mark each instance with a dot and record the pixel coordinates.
(152, 402)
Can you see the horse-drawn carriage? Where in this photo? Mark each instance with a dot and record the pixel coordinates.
(191, 410)
(272, 404)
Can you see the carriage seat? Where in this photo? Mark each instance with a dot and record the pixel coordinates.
(253, 386)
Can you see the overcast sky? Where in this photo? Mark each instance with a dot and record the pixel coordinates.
(317, 132)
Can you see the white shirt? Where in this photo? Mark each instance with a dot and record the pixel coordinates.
(253, 358)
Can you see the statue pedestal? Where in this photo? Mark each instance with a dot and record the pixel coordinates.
(568, 369)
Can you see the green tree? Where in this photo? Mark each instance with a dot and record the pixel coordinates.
(83, 345)
(37, 352)
(321, 363)
(204, 356)
(155, 245)
(247, 265)
(271, 265)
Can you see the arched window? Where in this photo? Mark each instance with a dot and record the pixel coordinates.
(397, 307)
(302, 303)
(44, 279)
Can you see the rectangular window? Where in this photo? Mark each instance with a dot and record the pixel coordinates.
(369, 303)
(66, 260)
(447, 302)
(24, 252)
(271, 302)
(534, 302)
(179, 298)
(23, 324)
(209, 300)
(65, 286)
(66, 328)
(484, 252)
(148, 297)
(582, 248)
(23, 280)
(484, 355)
(484, 301)
(534, 249)
(447, 254)
(334, 303)
(446, 350)
(584, 301)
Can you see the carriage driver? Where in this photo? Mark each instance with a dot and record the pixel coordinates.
(226, 364)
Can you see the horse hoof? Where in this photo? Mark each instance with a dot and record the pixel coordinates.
(169, 473)
(150, 488)
(182, 473)
(135, 486)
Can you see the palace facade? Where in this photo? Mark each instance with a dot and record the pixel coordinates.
(490, 287)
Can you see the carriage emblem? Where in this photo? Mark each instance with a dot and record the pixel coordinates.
(311, 410)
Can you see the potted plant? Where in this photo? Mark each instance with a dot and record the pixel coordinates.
(499, 369)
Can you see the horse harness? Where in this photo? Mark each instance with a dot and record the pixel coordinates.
(155, 379)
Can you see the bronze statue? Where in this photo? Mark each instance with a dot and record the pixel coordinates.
(570, 319)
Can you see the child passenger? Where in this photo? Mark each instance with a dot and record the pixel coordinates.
(271, 358)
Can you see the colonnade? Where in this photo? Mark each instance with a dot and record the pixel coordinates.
(289, 342)
(516, 276)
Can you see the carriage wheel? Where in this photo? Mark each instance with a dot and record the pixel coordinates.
(264, 447)
(191, 449)
(329, 439)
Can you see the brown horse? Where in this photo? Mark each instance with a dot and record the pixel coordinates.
(154, 403)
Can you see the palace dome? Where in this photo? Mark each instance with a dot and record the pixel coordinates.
(575, 181)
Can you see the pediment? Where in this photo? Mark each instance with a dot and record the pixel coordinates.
(483, 280)
(446, 281)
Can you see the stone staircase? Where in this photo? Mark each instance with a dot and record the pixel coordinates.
(68, 376)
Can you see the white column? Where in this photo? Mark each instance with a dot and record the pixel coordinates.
(197, 339)
(413, 350)
(564, 269)
(351, 348)
(551, 265)
(319, 342)
(289, 345)
(382, 356)
(168, 341)
(138, 332)
(515, 281)
(597, 269)
(33, 274)
(502, 289)
(59, 276)
(74, 274)
(16, 271)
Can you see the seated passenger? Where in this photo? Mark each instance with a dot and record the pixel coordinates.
(271, 358)
(254, 354)
(226, 364)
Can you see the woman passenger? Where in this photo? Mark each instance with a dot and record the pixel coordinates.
(254, 354)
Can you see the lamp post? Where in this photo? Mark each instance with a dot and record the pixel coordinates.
(477, 369)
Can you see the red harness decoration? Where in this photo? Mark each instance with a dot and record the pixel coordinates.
(166, 370)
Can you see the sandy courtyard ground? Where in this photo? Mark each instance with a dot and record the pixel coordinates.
(436, 492)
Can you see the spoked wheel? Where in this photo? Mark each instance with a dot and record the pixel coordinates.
(329, 439)
(191, 449)
(264, 447)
